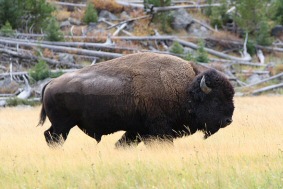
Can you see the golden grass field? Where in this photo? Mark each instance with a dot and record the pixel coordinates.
(246, 154)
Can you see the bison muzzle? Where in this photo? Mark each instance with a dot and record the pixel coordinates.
(148, 95)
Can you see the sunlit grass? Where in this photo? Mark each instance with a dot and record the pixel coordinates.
(247, 154)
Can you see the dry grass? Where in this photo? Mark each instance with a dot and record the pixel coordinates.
(62, 15)
(278, 69)
(77, 14)
(247, 154)
(224, 35)
(109, 5)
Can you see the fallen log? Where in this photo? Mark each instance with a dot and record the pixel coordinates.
(3, 68)
(173, 2)
(84, 45)
(254, 72)
(204, 25)
(32, 57)
(5, 96)
(232, 62)
(229, 77)
(69, 4)
(267, 79)
(121, 27)
(130, 20)
(111, 24)
(270, 48)
(130, 4)
(278, 44)
(26, 73)
(63, 49)
(210, 51)
(268, 88)
(129, 37)
(167, 8)
(144, 38)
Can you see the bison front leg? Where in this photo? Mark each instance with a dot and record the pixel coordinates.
(128, 139)
(54, 138)
(159, 131)
(157, 138)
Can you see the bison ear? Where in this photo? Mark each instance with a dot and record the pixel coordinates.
(203, 86)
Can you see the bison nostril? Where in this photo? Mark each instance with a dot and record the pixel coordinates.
(229, 121)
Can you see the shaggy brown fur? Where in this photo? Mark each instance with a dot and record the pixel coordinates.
(145, 94)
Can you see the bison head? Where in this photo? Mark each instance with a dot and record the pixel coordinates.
(210, 102)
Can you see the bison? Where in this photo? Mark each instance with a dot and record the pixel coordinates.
(148, 95)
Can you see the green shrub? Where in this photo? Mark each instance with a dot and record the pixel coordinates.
(157, 3)
(11, 11)
(251, 47)
(216, 22)
(217, 15)
(177, 48)
(7, 30)
(17, 101)
(40, 71)
(208, 10)
(25, 15)
(53, 32)
(278, 11)
(263, 34)
(55, 74)
(90, 14)
(189, 57)
(201, 55)
(164, 18)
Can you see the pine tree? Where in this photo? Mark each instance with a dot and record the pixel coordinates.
(278, 16)
(52, 31)
(263, 34)
(164, 18)
(201, 55)
(37, 13)
(40, 71)
(7, 30)
(177, 48)
(24, 15)
(11, 11)
(250, 13)
(90, 14)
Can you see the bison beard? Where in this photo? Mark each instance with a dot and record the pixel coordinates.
(148, 95)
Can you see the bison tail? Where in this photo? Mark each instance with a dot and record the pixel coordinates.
(42, 116)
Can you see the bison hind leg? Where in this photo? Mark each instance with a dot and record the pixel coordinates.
(128, 139)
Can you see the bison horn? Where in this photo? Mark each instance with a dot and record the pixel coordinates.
(203, 86)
